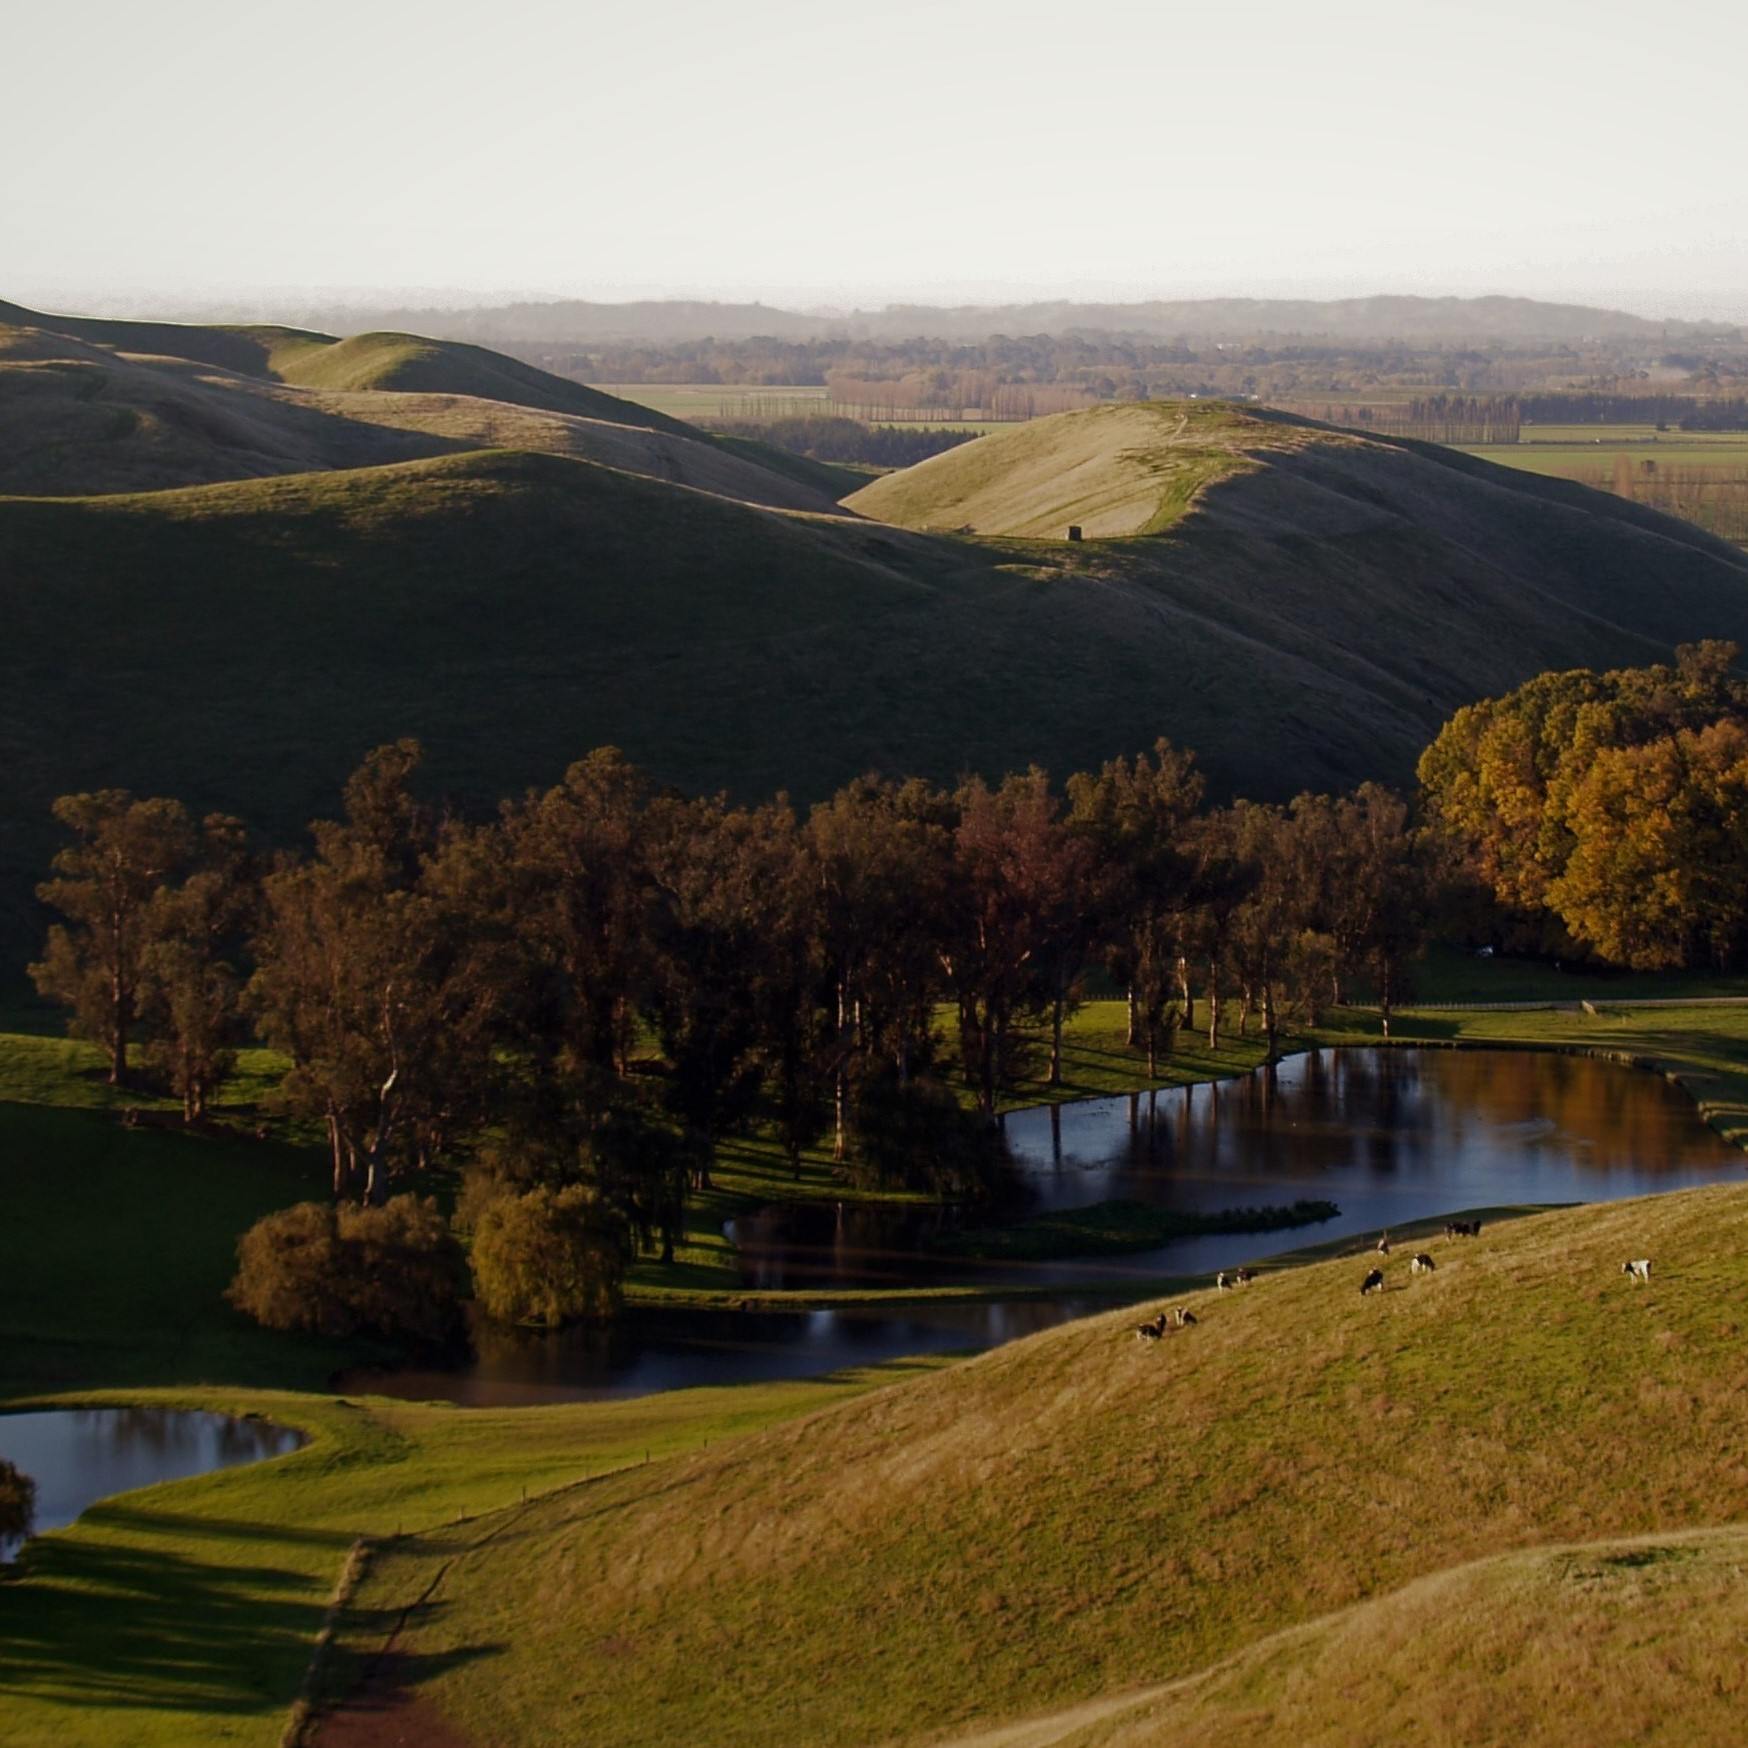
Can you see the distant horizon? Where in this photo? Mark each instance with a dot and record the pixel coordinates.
(146, 301)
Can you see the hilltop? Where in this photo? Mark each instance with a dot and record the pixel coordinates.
(1134, 468)
(98, 407)
(1324, 604)
(1078, 1515)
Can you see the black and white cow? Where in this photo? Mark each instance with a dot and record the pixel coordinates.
(1422, 1264)
(1640, 1269)
(1373, 1283)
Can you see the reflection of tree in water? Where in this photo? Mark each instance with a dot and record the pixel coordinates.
(17, 1507)
(1602, 1116)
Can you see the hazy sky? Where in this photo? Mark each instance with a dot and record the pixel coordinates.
(815, 152)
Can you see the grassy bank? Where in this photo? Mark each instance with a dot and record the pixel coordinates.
(186, 1614)
(1114, 1228)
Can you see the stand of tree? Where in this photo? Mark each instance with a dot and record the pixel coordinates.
(575, 1003)
(840, 439)
(1608, 813)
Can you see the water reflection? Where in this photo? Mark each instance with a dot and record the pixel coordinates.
(80, 1455)
(1389, 1135)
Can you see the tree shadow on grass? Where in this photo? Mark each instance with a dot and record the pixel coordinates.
(96, 1627)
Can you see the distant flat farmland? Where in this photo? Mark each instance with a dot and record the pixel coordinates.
(1701, 476)
(712, 403)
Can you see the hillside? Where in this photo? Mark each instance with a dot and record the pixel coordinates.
(1130, 468)
(1313, 621)
(86, 408)
(1080, 1514)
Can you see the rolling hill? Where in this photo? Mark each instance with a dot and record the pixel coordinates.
(1077, 1516)
(1325, 603)
(99, 407)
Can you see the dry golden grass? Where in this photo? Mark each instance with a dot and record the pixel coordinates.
(1133, 468)
(1081, 1513)
(1608, 1642)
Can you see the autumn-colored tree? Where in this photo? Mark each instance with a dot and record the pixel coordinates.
(17, 1503)
(1134, 815)
(191, 1003)
(105, 883)
(344, 1270)
(1658, 873)
(369, 980)
(1570, 796)
(719, 874)
(548, 1256)
(1017, 890)
(881, 857)
(580, 890)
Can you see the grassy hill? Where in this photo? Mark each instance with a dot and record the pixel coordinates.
(1129, 468)
(1311, 623)
(1079, 1514)
(1630, 1641)
(96, 407)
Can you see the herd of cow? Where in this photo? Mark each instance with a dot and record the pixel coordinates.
(1422, 1264)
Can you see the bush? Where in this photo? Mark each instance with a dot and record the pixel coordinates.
(17, 1503)
(916, 1135)
(548, 1256)
(341, 1271)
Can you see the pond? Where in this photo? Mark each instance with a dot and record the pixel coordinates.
(78, 1456)
(1390, 1135)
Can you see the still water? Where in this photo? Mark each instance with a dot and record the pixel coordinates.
(1391, 1136)
(77, 1456)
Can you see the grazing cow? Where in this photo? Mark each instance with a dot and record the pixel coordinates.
(1244, 1276)
(1154, 1329)
(1224, 1281)
(1422, 1265)
(1463, 1229)
(1373, 1283)
(1384, 1242)
(1640, 1270)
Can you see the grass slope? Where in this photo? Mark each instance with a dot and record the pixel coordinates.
(410, 365)
(1080, 1512)
(1132, 468)
(1309, 625)
(1626, 1641)
(78, 417)
(186, 1614)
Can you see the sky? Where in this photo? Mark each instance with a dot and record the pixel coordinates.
(816, 154)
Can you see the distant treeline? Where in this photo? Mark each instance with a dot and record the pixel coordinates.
(840, 439)
(1688, 412)
(1433, 419)
(1114, 366)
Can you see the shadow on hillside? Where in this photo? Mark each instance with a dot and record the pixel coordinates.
(92, 1628)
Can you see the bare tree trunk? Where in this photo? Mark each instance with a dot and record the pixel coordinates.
(340, 1184)
(1056, 1036)
(1244, 1014)
(841, 1088)
(1152, 1050)
(1213, 1006)
(1386, 992)
(1269, 1024)
(1129, 1041)
(1183, 989)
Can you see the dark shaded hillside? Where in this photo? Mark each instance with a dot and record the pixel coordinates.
(1310, 624)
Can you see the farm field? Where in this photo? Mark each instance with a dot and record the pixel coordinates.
(1701, 476)
(702, 403)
